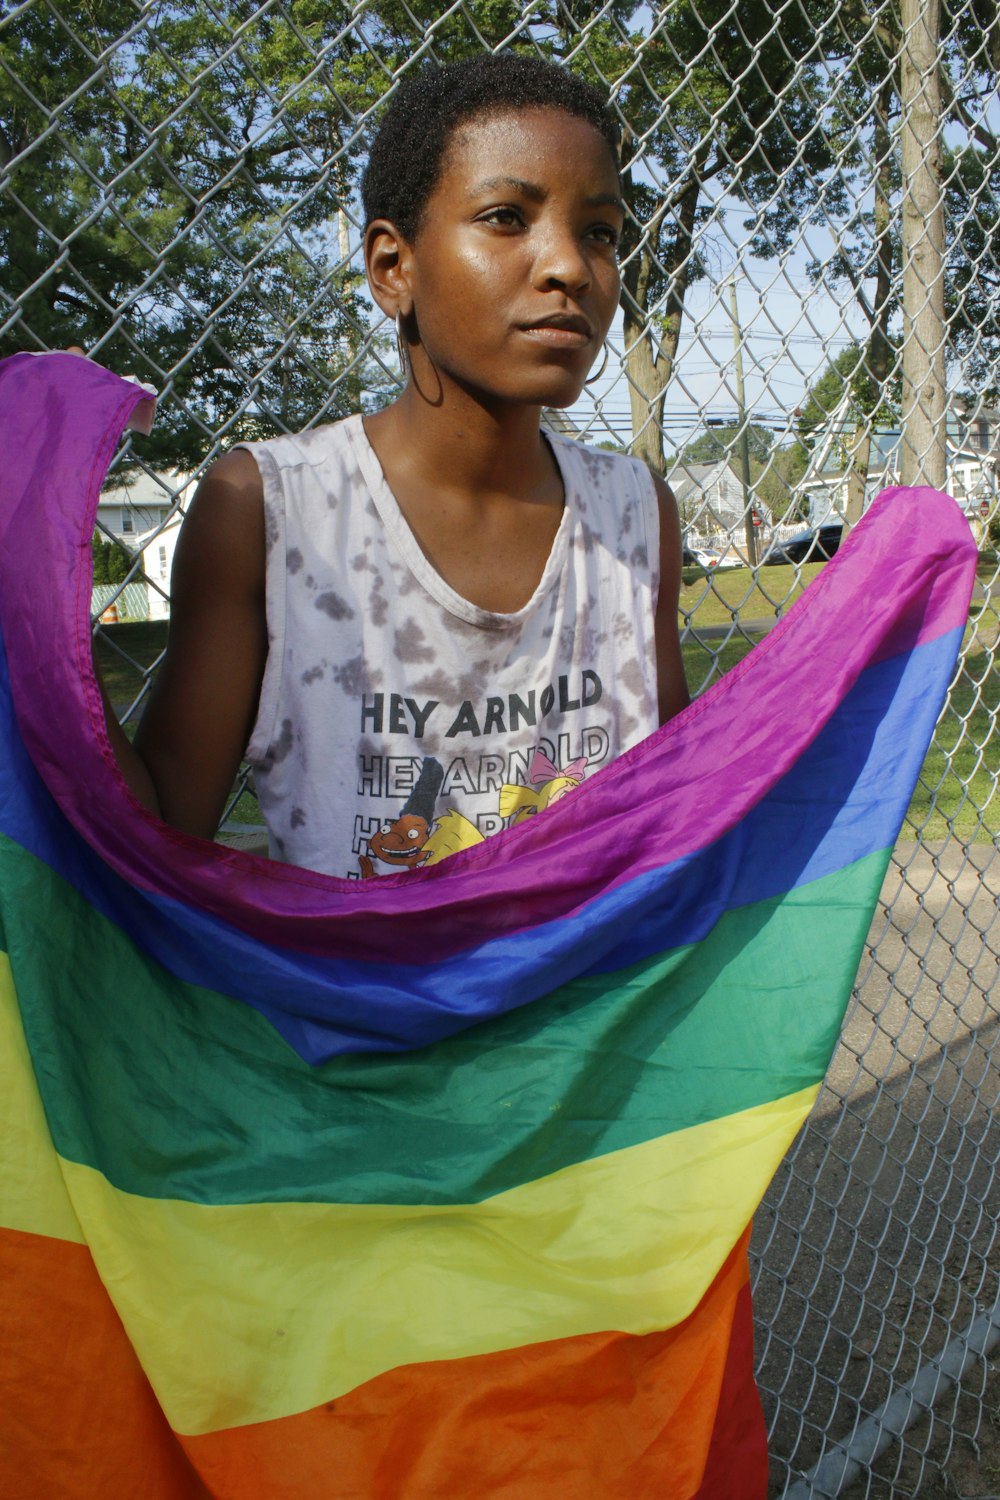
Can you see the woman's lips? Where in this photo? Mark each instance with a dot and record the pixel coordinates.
(573, 335)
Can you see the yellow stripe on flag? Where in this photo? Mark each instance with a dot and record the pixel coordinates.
(33, 1195)
(246, 1313)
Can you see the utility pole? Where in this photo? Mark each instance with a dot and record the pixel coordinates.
(743, 436)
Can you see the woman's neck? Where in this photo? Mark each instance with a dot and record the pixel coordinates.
(461, 444)
(481, 492)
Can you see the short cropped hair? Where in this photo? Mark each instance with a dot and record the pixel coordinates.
(406, 155)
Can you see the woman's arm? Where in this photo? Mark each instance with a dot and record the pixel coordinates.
(672, 686)
(201, 711)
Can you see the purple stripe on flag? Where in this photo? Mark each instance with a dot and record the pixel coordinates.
(704, 771)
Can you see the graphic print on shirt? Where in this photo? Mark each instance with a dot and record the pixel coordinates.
(402, 844)
(375, 665)
(548, 785)
(419, 837)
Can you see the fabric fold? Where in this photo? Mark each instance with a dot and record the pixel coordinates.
(440, 1183)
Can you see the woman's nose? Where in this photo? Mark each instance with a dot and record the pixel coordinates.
(560, 261)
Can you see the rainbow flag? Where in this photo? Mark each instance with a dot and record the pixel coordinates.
(435, 1185)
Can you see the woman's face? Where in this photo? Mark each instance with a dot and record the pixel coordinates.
(514, 272)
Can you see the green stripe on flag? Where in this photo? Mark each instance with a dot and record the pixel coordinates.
(173, 1091)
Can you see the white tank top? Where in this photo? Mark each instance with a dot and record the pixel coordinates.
(397, 721)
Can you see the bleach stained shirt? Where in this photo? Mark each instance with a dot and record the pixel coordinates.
(397, 721)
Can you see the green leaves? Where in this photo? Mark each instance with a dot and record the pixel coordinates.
(174, 208)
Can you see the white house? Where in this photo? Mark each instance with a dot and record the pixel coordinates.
(141, 511)
(712, 504)
(972, 456)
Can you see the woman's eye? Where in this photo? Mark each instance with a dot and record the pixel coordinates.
(507, 218)
(413, 833)
(607, 234)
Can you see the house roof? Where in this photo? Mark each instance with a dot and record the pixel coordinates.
(558, 421)
(690, 481)
(685, 478)
(142, 490)
(829, 456)
(885, 454)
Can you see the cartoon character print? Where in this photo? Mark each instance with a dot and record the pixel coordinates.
(451, 832)
(548, 784)
(417, 839)
(402, 844)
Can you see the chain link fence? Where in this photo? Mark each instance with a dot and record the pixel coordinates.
(811, 311)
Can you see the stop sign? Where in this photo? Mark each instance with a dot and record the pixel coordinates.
(984, 508)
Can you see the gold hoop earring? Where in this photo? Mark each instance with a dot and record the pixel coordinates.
(592, 379)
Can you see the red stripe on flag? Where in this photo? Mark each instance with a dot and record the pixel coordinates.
(590, 1418)
(737, 1458)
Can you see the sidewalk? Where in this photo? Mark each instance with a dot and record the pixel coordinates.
(879, 1238)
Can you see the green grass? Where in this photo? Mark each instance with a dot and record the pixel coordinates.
(122, 652)
(957, 792)
(959, 776)
(719, 598)
(705, 662)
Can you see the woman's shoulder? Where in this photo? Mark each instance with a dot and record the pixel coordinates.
(606, 465)
(607, 482)
(311, 447)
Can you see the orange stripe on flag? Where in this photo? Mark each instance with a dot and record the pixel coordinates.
(79, 1418)
(585, 1418)
(737, 1459)
(602, 1415)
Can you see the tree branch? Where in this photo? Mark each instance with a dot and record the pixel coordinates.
(976, 128)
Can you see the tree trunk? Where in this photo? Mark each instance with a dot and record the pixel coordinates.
(924, 456)
(879, 343)
(650, 353)
(646, 389)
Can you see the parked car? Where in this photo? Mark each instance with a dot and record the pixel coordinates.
(700, 557)
(812, 544)
(708, 558)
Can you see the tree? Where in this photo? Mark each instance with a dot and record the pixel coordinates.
(719, 442)
(112, 563)
(849, 376)
(972, 291)
(777, 483)
(844, 400)
(189, 217)
(862, 48)
(722, 104)
(99, 558)
(230, 134)
(197, 234)
(863, 44)
(774, 471)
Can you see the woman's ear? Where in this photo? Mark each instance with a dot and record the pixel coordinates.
(387, 264)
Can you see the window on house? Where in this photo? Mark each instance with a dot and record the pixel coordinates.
(128, 520)
(163, 562)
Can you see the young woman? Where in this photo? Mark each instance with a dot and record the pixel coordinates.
(425, 624)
